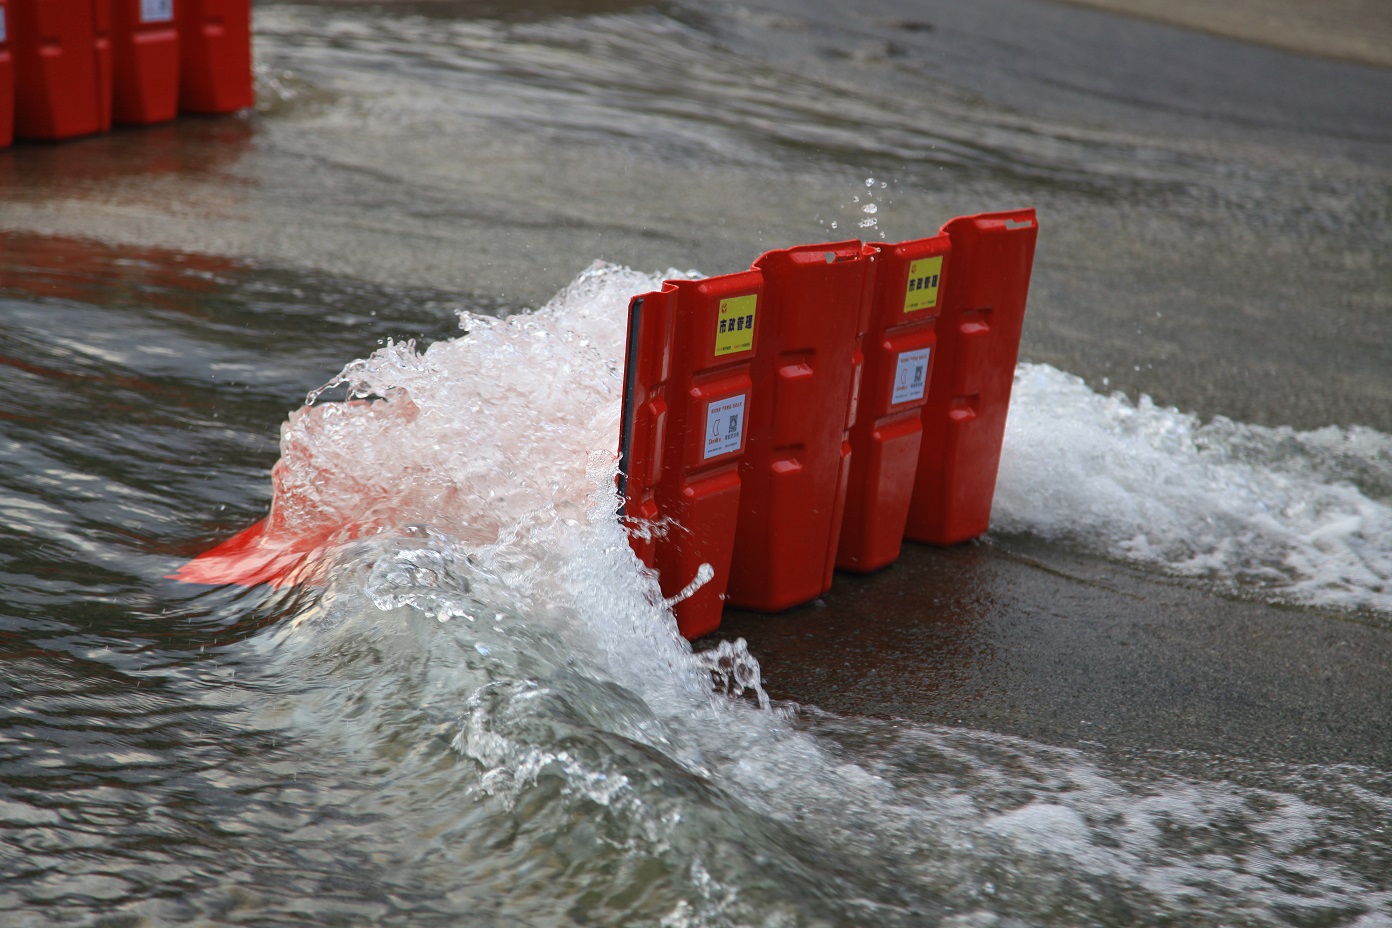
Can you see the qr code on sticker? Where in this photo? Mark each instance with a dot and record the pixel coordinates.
(156, 11)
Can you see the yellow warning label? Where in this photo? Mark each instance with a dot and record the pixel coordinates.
(923, 284)
(734, 328)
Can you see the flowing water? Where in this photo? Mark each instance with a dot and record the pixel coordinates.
(481, 714)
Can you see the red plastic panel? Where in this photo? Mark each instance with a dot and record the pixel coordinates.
(7, 94)
(979, 328)
(689, 431)
(215, 56)
(62, 67)
(647, 372)
(898, 347)
(795, 469)
(146, 82)
(257, 555)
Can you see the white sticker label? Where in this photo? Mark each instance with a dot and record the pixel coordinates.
(156, 11)
(724, 426)
(910, 376)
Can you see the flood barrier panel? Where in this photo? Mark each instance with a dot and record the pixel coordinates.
(215, 56)
(983, 311)
(7, 91)
(805, 373)
(146, 84)
(687, 400)
(887, 431)
(63, 67)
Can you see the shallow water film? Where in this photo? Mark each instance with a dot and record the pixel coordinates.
(1157, 693)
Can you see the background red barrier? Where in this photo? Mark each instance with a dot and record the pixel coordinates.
(795, 469)
(886, 434)
(146, 81)
(983, 312)
(215, 56)
(7, 93)
(62, 67)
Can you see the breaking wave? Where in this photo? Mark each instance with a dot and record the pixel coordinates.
(1274, 512)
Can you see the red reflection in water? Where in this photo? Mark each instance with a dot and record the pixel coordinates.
(87, 166)
(95, 272)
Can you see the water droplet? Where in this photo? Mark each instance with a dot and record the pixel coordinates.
(870, 208)
(704, 574)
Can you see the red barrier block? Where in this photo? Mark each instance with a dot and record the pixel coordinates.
(795, 469)
(146, 85)
(215, 56)
(885, 437)
(62, 67)
(687, 400)
(983, 311)
(7, 94)
(257, 555)
(643, 429)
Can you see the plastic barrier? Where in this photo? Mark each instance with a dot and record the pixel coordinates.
(257, 555)
(794, 470)
(687, 398)
(146, 84)
(643, 426)
(62, 67)
(215, 56)
(7, 93)
(983, 310)
(885, 437)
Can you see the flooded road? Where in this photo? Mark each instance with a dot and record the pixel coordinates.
(1157, 693)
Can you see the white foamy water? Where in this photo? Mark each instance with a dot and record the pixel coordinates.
(550, 750)
(1299, 516)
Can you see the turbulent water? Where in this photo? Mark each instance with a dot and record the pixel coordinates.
(1302, 516)
(478, 711)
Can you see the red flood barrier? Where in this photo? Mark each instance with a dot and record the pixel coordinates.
(983, 310)
(687, 398)
(215, 56)
(7, 93)
(794, 470)
(887, 432)
(778, 423)
(643, 426)
(146, 85)
(62, 67)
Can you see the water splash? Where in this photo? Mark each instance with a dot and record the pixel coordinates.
(1300, 516)
(735, 670)
(863, 209)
